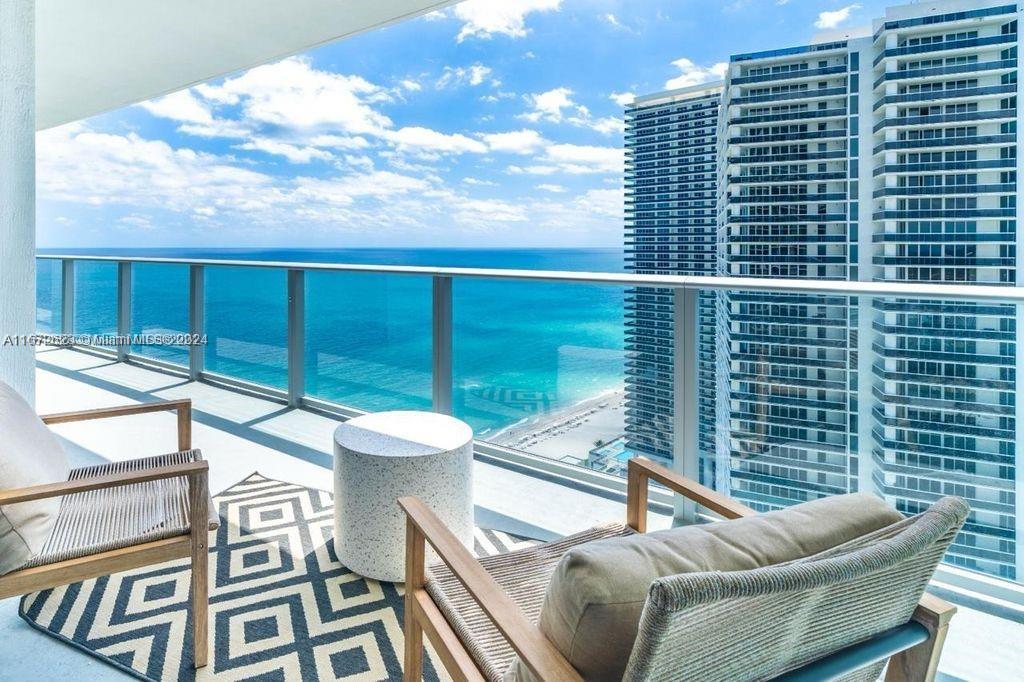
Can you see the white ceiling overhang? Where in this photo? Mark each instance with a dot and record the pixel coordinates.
(97, 55)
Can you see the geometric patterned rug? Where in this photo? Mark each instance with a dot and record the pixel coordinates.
(281, 606)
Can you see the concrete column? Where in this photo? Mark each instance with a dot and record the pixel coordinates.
(17, 191)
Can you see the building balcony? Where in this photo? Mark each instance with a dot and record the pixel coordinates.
(944, 166)
(945, 190)
(814, 114)
(747, 159)
(791, 95)
(794, 137)
(993, 67)
(938, 119)
(950, 142)
(254, 411)
(910, 214)
(946, 46)
(948, 94)
(790, 75)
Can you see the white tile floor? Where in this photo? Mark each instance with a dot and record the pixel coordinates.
(240, 434)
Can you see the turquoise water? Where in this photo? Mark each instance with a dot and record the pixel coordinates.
(520, 349)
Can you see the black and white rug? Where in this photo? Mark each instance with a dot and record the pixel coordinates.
(281, 606)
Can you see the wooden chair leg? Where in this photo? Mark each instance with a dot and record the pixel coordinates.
(415, 559)
(921, 663)
(200, 577)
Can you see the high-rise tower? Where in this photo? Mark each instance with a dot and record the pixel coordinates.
(670, 229)
(893, 157)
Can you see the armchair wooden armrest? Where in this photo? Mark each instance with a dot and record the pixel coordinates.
(931, 611)
(641, 470)
(534, 649)
(191, 470)
(183, 407)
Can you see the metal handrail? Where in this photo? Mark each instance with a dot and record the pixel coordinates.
(969, 292)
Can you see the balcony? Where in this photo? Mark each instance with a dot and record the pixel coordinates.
(946, 46)
(284, 431)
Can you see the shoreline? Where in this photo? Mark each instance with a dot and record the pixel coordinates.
(568, 434)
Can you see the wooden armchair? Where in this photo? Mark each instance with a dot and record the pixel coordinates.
(154, 502)
(498, 593)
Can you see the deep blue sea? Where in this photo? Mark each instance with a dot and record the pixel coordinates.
(520, 349)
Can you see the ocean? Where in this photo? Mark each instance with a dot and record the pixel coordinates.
(522, 351)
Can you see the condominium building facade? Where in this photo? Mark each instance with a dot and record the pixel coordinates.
(786, 207)
(944, 110)
(892, 157)
(670, 229)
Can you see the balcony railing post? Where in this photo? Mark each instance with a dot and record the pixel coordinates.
(67, 296)
(296, 337)
(685, 457)
(124, 306)
(196, 320)
(442, 345)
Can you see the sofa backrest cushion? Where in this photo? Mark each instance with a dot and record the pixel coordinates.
(593, 603)
(29, 455)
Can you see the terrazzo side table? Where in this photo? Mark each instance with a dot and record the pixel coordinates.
(386, 455)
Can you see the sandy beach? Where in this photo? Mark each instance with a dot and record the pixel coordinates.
(568, 435)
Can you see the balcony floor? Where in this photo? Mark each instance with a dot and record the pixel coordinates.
(240, 434)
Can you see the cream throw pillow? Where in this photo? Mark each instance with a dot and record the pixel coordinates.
(29, 455)
(592, 608)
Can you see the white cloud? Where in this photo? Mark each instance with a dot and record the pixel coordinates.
(483, 213)
(194, 114)
(478, 182)
(181, 106)
(359, 161)
(301, 114)
(606, 202)
(622, 98)
(497, 96)
(549, 106)
(557, 106)
(596, 211)
(294, 110)
(608, 125)
(485, 18)
(416, 139)
(218, 128)
(136, 221)
(346, 190)
(292, 152)
(828, 20)
(692, 74)
(574, 159)
(339, 142)
(472, 75)
(291, 93)
(75, 164)
(148, 182)
(616, 23)
(523, 141)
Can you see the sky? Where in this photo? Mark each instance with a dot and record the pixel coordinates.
(489, 124)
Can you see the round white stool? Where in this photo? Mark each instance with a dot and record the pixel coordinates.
(386, 455)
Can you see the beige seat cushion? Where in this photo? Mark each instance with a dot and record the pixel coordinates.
(592, 607)
(29, 455)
